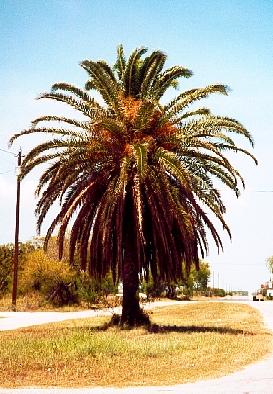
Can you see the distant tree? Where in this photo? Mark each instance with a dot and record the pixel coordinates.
(197, 279)
(52, 250)
(201, 276)
(218, 292)
(6, 258)
(6, 262)
(134, 174)
(269, 263)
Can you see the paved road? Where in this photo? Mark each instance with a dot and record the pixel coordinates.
(254, 379)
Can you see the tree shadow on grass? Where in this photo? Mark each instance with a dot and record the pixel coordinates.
(165, 329)
(161, 329)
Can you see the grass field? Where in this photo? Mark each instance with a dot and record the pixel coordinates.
(185, 343)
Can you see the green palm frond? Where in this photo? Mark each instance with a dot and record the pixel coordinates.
(88, 109)
(173, 165)
(141, 157)
(27, 166)
(102, 82)
(169, 78)
(144, 115)
(44, 130)
(130, 77)
(83, 95)
(120, 64)
(184, 99)
(237, 149)
(108, 71)
(62, 119)
(149, 71)
(46, 176)
(53, 144)
(197, 112)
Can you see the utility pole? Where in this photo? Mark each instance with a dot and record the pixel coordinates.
(16, 240)
(213, 280)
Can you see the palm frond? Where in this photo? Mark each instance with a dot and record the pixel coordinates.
(120, 64)
(141, 157)
(169, 78)
(149, 71)
(184, 99)
(130, 76)
(62, 119)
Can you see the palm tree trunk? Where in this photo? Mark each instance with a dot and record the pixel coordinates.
(132, 314)
(130, 303)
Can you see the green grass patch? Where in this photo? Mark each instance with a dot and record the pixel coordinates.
(185, 343)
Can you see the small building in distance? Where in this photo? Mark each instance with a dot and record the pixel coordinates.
(240, 293)
(264, 292)
(267, 288)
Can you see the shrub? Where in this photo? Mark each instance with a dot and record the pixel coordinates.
(52, 278)
(6, 256)
(93, 291)
(219, 292)
(60, 284)
(153, 289)
(6, 263)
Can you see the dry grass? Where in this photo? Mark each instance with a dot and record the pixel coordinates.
(30, 302)
(185, 343)
(33, 301)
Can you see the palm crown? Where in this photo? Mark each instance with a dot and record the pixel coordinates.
(134, 175)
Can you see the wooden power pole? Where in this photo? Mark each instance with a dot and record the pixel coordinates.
(16, 241)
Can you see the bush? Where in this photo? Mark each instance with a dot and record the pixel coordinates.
(93, 291)
(219, 292)
(52, 278)
(60, 284)
(153, 289)
(6, 263)
(6, 259)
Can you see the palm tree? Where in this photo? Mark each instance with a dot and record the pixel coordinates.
(133, 175)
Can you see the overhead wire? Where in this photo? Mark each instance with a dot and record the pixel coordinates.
(7, 172)
(6, 151)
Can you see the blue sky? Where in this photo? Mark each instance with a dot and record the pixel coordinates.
(231, 42)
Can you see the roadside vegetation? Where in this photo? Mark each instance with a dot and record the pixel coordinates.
(45, 283)
(184, 343)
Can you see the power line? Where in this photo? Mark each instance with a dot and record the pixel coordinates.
(6, 151)
(263, 191)
(6, 172)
